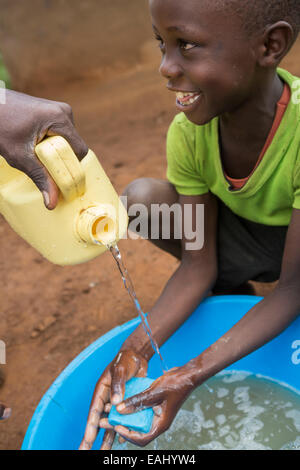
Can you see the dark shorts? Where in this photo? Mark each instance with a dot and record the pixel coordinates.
(247, 251)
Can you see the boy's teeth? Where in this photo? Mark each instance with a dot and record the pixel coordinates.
(182, 98)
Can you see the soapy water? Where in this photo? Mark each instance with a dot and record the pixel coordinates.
(234, 410)
(245, 412)
(130, 289)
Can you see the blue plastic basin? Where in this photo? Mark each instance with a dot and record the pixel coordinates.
(59, 420)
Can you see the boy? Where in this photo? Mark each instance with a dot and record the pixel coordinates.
(235, 149)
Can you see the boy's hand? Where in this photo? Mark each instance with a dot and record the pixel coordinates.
(109, 390)
(165, 396)
(24, 122)
(5, 412)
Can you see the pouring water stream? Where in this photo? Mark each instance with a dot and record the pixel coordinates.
(130, 289)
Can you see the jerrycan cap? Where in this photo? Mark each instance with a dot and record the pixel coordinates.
(97, 224)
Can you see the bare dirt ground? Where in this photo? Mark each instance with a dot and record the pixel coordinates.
(50, 313)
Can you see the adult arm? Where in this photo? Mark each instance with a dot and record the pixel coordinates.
(24, 122)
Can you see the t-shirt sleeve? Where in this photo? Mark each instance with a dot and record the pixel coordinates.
(296, 204)
(182, 169)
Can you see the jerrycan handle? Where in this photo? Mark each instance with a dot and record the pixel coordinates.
(56, 154)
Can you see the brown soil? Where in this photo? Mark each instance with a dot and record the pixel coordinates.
(49, 313)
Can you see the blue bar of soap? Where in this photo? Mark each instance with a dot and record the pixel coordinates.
(140, 421)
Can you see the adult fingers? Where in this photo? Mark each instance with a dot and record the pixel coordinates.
(67, 109)
(108, 440)
(25, 160)
(45, 183)
(68, 131)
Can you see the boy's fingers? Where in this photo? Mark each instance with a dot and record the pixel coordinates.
(157, 410)
(142, 372)
(108, 440)
(91, 430)
(118, 385)
(107, 408)
(135, 437)
(126, 366)
(159, 425)
(101, 396)
(146, 399)
(103, 423)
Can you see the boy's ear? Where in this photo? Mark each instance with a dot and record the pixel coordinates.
(275, 44)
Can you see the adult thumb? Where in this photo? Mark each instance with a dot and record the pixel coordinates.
(44, 182)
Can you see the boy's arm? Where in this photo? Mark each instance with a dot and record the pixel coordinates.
(193, 279)
(262, 323)
(265, 320)
(195, 276)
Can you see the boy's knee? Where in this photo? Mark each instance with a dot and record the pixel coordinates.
(139, 191)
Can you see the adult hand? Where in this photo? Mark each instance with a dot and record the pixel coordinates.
(109, 390)
(5, 412)
(24, 122)
(165, 396)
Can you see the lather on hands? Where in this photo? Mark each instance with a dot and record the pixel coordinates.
(24, 122)
(109, 390)
(166, 395)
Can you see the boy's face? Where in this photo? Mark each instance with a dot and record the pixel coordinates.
(205, 53)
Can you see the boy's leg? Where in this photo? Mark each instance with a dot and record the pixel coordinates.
(148, 191)
(247, 251)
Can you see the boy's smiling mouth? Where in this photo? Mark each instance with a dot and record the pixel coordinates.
(185, 99)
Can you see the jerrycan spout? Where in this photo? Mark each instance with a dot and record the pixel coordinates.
(98, 224)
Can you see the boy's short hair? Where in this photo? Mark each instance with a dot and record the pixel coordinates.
(258, 14)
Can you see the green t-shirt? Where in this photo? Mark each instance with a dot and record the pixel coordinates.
(271, 192)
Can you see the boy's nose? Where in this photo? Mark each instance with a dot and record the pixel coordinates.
(169, 68)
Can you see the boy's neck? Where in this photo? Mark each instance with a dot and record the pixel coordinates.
(253, 120)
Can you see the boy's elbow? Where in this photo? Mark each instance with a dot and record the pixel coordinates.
(206, 272)
(290, 291)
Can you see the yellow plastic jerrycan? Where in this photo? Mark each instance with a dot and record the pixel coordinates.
(89, 215)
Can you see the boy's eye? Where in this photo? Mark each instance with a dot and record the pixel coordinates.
(187, 46)
(161, 44)
(184, 45)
